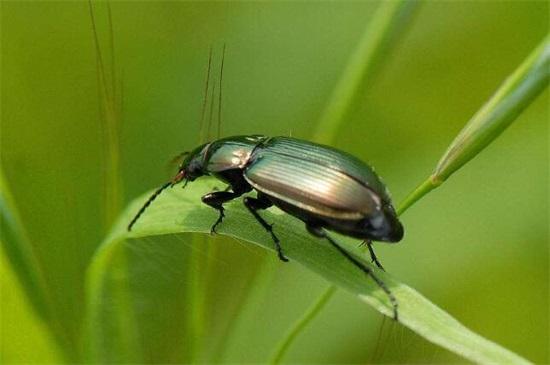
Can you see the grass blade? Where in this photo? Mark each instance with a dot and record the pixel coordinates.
(20, 253)
(375, 43)
(513, 96)
(22, 327)
(181, 211)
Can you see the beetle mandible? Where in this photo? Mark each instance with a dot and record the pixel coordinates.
(324, 187)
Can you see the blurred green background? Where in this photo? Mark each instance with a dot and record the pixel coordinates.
(477, 247)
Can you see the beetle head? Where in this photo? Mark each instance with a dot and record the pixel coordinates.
(385, 226)
(193, 165)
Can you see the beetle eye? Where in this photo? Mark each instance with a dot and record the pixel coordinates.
(179, 177)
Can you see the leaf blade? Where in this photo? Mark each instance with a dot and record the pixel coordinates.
(182, 212)
(22, 326)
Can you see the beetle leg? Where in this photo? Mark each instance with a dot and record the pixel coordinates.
(216, 200)
(253, 205)
(319, 232)
(373, 257)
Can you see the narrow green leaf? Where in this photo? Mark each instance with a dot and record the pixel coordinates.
(25, 337)
(20, 253)
(181, 211)
(373, 46)
(513, 96)
(113, 331)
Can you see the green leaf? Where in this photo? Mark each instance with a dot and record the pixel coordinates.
(180, 211)
(20, 252)
(23, 276)
(25, 337)
(25, 309)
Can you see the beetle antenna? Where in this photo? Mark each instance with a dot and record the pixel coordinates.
(203, 132)
(220, 95)
(147, 203)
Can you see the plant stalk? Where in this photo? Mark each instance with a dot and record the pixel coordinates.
(301, 324)
(515, 94)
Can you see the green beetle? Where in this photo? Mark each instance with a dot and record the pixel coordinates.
(324, 187)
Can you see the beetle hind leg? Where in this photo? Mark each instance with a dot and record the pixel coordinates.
(320, 232)
(373, 257)
(261, 202)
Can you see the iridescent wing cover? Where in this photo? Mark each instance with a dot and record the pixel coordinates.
(316, 178)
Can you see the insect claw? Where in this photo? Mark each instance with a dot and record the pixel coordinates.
(283, 257)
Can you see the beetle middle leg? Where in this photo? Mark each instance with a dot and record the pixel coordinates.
(261, 202)
(320, 232)
(216, 200)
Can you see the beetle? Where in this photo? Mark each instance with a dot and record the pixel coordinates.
(326, 188)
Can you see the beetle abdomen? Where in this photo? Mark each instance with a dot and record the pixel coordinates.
(329, 157)
(310, 185)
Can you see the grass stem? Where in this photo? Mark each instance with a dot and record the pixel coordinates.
(517, 92)
(375, 43)
(110, 119)
(428, 185)
(301, 324)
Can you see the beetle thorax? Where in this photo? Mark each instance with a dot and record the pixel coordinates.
(230, 154)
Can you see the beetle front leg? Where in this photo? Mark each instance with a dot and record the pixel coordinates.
(255, 204)
(216, 200)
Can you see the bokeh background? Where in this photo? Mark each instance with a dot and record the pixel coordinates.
(477, 247)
